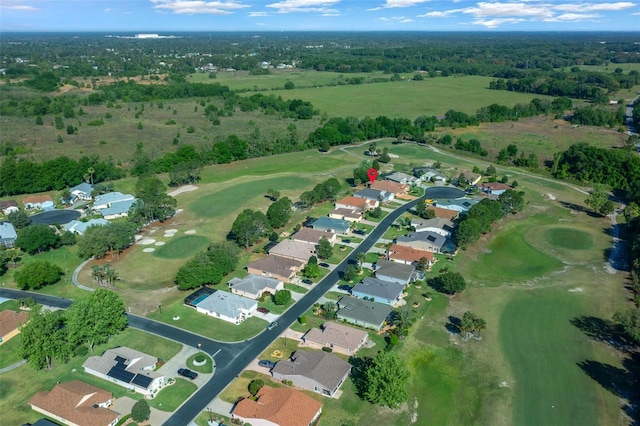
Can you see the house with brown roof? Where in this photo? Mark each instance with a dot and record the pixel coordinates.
(278, 406)
(350, 215)
(8, 206)
(494, 188)
(295, 250)
(37, 202)
(355, 203)
(444, 213)
(313, 236)
(317, 371)
(340, 338)
(76, 403)
(409, 255)
(390, 186)
(277, 267)
(10, 322)
(127, 367)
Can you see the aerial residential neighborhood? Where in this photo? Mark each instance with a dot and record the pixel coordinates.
(280, 226)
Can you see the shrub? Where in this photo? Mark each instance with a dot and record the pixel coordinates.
(303, 319)
(140, 411)
(199, 358)
(255, 385)
(81, 350)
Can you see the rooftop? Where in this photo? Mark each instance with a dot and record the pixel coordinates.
(337, 334)
(408, 254)
(253, 283)
(10, 320)
(363, 310)
(227, 304)
(379, 288)
(280, 406)
(394, 269)
(276, 265)
(325, 368)
(312, 235)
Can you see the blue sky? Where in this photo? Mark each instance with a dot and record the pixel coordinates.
(165, 16)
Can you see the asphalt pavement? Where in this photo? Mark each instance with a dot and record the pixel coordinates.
(230, 358)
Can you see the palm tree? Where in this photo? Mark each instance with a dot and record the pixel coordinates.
(360, 257)
(90, 172)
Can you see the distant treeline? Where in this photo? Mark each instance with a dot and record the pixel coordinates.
(579, 84)
(26, 177)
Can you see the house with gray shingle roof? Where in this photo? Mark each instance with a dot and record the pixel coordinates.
(394, 272)
(338, 226)
(429, 241)
(338, 337)
(280, 268)
(8, 235)
(253, 286)
(317, 371)
(378, 290)
(362, 312)
(227, 307)
(375, 194)
(438, 225)
(292, 249)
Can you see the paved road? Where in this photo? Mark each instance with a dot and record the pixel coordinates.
(230, 358)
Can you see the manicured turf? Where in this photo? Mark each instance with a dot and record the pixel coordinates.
(543, 349)
(207, 368)
(171, 397)
(240, 196)
(182, 247)
(9, 351)
(569, 238)
(510, 258)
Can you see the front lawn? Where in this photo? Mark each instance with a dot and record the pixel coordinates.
(208, 326)
(9, 352)
(295, 288)
(339, 254)
(171, 397)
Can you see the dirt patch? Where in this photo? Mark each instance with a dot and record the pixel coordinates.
(186, 188)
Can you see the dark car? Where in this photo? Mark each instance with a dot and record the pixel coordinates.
(272, 325)
(360, 232)
(347, 241)
(263, 310)
(266, 363)
(323, 265)
(185, 372)
(308, 282)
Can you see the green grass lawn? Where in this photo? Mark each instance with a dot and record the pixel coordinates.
(573, 239)
(182, 247)
(295, 288)
(14, 395)
(171, 397)
(544, 350)
(9, 352)
(338, 254)
(207, 368)
(206, 325)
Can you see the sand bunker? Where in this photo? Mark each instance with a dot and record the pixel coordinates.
(146, 241)
(160, 243)
(182, 189)
(170, 231)
(190, 232)
(148, 250)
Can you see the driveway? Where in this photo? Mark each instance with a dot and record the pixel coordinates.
(170, 368)
(123, 406)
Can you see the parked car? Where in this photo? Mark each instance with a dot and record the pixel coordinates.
(185, 372)
(272, 325)
(263, 310)
(308, 282)
(266, 363)
(347, 241)
(323, 265)
(360, 232)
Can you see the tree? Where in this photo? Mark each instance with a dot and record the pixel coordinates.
(153, 201)
(44, 338)
(209, 267)
(324, 249)
(99, 240)
(471, 324)
(350, 274)
(512, 201)
(384, 155)
(385, 380)
(19, 219)
(423, 264)
(249, 227)
(467, 232)
(377, 212)
(360, 173)
(282, 297)
(279, 212)
(93, 319)
(140, 411)
(37, 274)
(375, 164)
(630, 322)
(255, 385)
(450, 282)
(37, 238)
(311, 270)
(289, 85)
(598, 198)
(273, 194)
(360, 258)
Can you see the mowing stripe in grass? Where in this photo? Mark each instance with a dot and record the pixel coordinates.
(181, 247)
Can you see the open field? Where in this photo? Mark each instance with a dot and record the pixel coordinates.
(14, 395)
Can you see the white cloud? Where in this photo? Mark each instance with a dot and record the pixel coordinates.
(306, 6)
(257, 14)
(18, 5)
(390, 4)
(194, 7)
(492, 14)
(396, 19)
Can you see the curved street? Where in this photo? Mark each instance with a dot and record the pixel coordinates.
(230, 358)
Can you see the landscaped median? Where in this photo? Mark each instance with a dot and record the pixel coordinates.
(200, 362)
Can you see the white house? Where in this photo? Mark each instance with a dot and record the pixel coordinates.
(253, 286)
(128, 368)
(82, 192)
(227, 307)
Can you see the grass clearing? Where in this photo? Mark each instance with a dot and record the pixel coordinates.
(182, 247)
(171, 397)
(207, 368)
(9, 352)
(569, 238)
